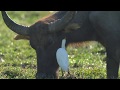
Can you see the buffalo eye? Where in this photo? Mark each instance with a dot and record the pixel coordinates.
(50, 40)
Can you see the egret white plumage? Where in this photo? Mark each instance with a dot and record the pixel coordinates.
(62, 57)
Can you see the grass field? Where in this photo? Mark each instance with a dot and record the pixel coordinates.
(86, 62)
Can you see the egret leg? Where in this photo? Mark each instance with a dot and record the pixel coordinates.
(69, 72)
(62, 73)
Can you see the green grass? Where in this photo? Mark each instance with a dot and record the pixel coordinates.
(86, 62)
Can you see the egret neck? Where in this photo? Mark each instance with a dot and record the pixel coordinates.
(63, 43)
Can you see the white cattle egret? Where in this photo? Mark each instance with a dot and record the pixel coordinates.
(62, 57)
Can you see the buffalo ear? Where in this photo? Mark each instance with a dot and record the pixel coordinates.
(71, 27)
(19, 37)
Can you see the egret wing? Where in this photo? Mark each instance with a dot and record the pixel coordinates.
(62, 59)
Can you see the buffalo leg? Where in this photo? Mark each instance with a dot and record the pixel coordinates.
(112, 64)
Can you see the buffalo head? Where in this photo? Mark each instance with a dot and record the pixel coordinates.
(45, 37)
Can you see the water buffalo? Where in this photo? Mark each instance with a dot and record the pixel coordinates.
(45, 37)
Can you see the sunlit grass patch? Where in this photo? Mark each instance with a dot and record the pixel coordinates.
(17, 73)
